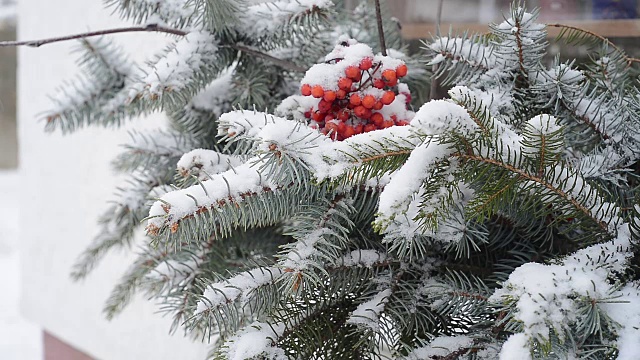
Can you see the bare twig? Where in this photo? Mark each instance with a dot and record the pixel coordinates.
(383, 45)
(148, 28)
(434, 80)
(629, 60)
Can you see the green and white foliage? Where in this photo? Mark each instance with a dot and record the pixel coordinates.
(500, 224)
(248, 54)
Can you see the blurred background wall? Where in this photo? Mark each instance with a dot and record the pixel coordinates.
(8, 138)
(65, 182)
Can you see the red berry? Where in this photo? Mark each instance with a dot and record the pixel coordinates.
(389, 76)
(345, 84)
(343, 115)
(387, 123)
(377, 119)
(359, 128)
(367, 114)
(329, 117)
(318, 116)
(341, 94)
(368, 101)
(329, 95)
(388, 97)
(408, 101)
(317, 91)
(352, 72)
(360, 111)
(307, 114)
(366, 63)
(324, 106)
(402, 123)
(378, 83)
(355, 100)
(306, 89)
(392, 83)
(369, 127)
(348, 132)
(341, 127)
(378, 105)
(402, 70)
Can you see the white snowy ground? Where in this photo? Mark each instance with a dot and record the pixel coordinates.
(19, 339)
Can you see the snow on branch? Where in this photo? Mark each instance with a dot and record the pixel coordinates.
(551, 300)
(182, 67)
(326, 159)
(231, 186)
(625, 311)
(368, 313)
(256, 340)
(362, 258)
(443, 347)
(522, 40)
(203, 163)
(238, 288)
(436, 118)
(271, 17)
(471, 51)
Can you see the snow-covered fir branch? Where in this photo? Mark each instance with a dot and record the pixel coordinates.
(333, 220)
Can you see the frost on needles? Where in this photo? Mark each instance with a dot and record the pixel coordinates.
(352, 220)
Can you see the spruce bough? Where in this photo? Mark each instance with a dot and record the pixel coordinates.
(501, 222)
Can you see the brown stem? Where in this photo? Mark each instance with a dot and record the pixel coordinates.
(369, 79)
(383, 45)
(518, 35)
(148, 28)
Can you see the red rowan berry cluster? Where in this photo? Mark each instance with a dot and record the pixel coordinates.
(356, 92)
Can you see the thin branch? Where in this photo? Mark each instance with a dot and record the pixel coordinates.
(538, 180)
(518, 35)
(434, 80)
(148, 28)
(383, 45)
(629, 60)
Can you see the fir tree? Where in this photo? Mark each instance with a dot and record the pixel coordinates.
(339, 224)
